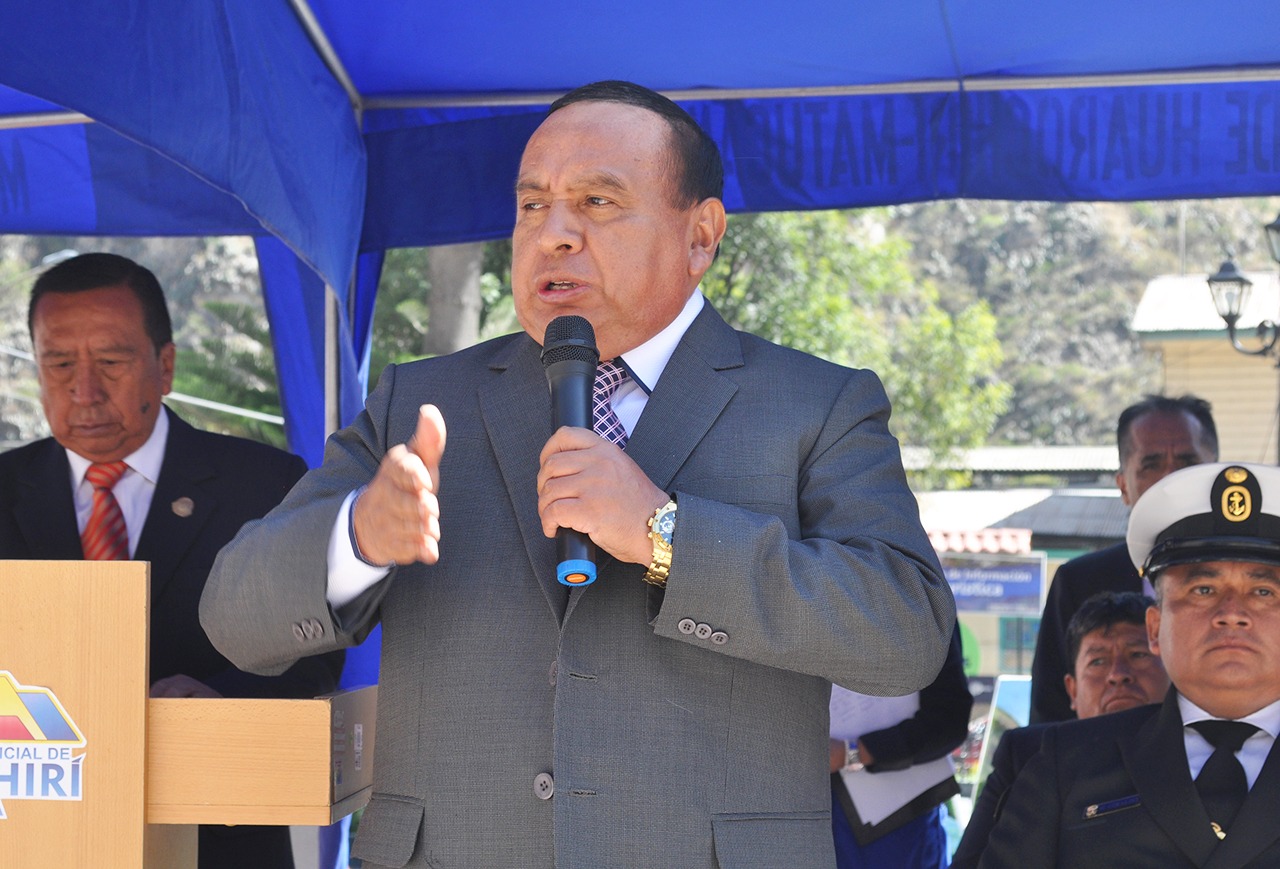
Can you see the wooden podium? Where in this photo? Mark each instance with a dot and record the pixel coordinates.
(93, 773)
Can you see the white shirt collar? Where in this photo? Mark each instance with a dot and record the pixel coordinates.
(647, 362)
(1267, 718)
(145, 460)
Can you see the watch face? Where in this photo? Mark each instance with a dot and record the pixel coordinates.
(666, 525)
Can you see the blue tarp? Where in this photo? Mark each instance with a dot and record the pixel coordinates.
(227, 118)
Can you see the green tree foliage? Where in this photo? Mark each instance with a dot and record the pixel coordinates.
(1063, 280)
(1064, 293)
(231, 363)
(402, 315)
(835, 285)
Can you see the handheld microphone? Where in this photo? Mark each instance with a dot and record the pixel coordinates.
(569, 358)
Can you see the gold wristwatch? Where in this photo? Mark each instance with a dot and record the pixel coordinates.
(662, 525)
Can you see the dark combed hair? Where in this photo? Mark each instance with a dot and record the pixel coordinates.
(700, 171)
(1197, 408)
(1101, 611)
(93, 271)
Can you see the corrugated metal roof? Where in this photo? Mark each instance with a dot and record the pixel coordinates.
(974, 509)
(1182, 303)
(1066, 514)
(1097, 513)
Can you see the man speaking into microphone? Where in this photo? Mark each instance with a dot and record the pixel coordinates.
(755, 540)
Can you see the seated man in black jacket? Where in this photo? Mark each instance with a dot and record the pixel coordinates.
(1114, 670)
(1192, 781)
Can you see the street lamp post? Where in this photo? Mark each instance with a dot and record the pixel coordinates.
(1230, 290)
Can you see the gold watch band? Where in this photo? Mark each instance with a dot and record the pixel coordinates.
(661, 527)
(659, 569)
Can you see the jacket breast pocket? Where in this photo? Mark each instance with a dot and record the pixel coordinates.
(799, 840)
(763, 492)
(388, 830)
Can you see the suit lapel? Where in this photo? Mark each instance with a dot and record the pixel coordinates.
(47, 515)
(519, 393)
(1255, 828)
(180, 508)
(1156, 758)
(685, 403)
(688, 399)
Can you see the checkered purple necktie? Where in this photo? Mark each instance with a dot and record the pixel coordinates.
(603, 420)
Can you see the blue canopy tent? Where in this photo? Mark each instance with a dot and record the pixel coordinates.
(332, 130)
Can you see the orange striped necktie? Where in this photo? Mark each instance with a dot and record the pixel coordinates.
(105, 537)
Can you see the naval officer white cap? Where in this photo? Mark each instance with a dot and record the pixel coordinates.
(1217, 512)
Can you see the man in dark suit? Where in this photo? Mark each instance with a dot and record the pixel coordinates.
(757, 542)
(105, 355)
(1193, 781)
(1156, 437)
(1115, 670)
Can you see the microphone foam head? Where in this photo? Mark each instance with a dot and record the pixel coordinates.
(569, 338)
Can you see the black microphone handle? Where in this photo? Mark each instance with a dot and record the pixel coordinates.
(571, 382)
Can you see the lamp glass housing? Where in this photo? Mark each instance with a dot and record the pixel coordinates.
(1273, 238)
(1230, 291)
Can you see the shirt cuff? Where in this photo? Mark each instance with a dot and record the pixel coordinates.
(350, 575)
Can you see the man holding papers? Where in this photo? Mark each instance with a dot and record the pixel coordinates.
(890, 770)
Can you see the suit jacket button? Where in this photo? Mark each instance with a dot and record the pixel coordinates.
(702, 631)
(686, 626)
(299, 633)
(317, 628)
(555, 665)
(544, 786)
(719, 638)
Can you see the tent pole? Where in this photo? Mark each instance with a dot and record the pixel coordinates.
(332, 367)
(311, 25)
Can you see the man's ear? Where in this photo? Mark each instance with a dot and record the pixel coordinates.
(167, 355)
(1124, 489)
(1153, 629)
(708, 226)
(1070, 682)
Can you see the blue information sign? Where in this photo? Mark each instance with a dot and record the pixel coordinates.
(996, 583)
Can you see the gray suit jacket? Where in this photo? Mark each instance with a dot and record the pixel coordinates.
(685, 727)
(1116, 790)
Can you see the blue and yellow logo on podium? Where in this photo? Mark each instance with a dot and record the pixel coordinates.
(37, 744)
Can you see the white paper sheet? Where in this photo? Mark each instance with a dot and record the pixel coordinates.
(878, 795)
(853, 714)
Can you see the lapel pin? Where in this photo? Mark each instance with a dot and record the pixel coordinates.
(183, 507)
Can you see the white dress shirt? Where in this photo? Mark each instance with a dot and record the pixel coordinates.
(135, 489)
(1252, 755)
(350, 576)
